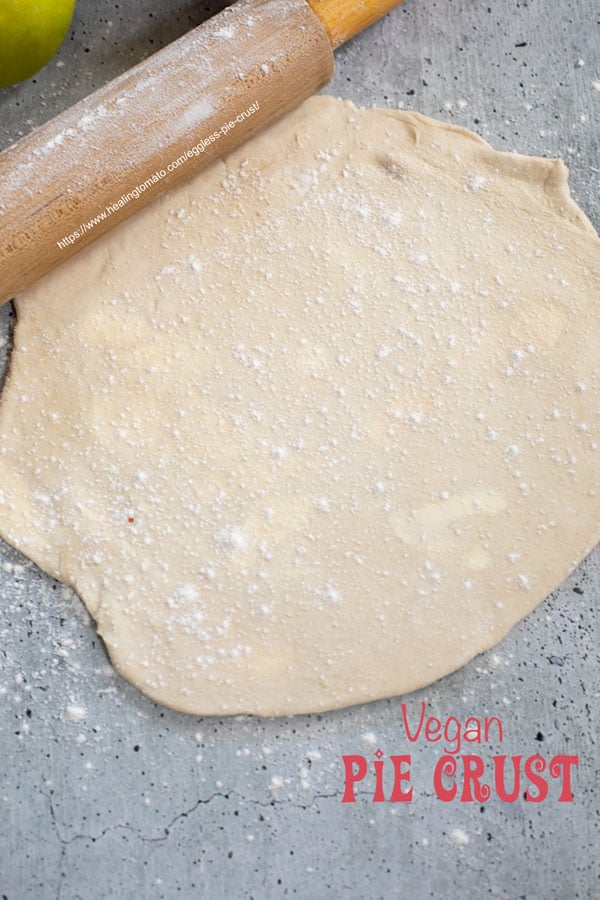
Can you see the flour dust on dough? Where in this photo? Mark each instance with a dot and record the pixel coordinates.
(322, 424)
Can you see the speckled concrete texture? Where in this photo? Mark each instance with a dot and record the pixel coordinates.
(106, 795)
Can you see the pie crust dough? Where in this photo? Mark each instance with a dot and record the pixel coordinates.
(320, 425)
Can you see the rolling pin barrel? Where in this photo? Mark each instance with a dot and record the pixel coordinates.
(71, 180)
(94, 165)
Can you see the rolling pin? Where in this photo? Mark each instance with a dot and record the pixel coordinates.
(90, 168)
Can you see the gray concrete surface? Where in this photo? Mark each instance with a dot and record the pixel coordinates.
(135, 801)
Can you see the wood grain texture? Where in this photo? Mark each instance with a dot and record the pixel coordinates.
(343, 19)
(73, 179)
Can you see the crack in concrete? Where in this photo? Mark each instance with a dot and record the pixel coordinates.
(166, 829)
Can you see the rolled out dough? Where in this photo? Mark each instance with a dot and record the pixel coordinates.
(319, 426)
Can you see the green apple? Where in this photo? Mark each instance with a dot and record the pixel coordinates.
(31, 31)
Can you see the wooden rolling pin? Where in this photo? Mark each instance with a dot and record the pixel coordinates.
(73, 179)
